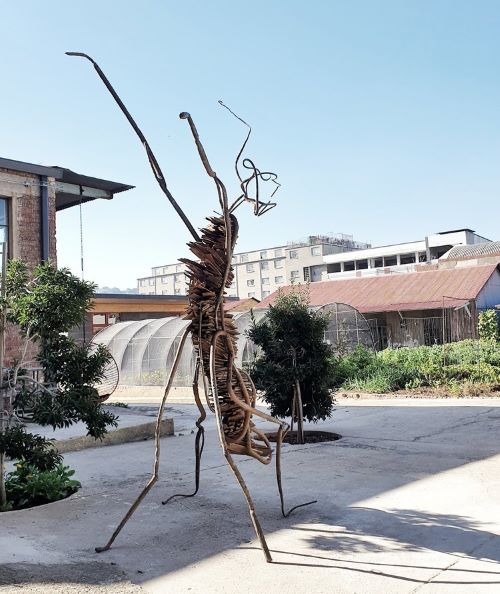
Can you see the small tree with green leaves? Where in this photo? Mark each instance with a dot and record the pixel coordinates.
(295, 370)
(488, 325)
(45, 305)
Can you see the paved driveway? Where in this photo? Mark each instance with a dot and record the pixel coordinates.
(408, 501)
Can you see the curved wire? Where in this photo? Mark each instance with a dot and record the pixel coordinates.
(256, 175)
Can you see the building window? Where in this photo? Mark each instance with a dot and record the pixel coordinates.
(278, 280)
(390, 261)
(249, 267)
(348, 266)
(179, 278)
(164, 279)
(244, 258)
(265, 294)
(279, 263)
(178, 268)
(151, 282)
(263, 255)
(264, 265)
(265, 281)
(422, 257)
(378, 262)
(177, 291)
(294, 254)
(294, 275)
(332, 268)
(316, 250)
(251, 294)
(407, 258)
(307, 274)
(250, 282)
(361, 264)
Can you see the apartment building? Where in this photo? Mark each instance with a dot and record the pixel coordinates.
(400, 257)
(260, 272)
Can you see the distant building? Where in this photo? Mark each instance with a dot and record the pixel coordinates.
(399, 257)
(260, 272)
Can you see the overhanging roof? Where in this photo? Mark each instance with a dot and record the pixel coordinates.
(131, 303)
(71, 188)
(400, 292)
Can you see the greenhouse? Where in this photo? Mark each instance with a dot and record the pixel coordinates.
(144, 350)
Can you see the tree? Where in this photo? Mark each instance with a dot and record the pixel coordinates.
(296, 368)
(44, 306)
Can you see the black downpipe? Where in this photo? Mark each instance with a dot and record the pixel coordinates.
(44, 218)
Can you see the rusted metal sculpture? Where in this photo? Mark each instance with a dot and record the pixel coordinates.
(229, 391)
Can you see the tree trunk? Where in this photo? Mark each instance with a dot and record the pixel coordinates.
(3, 494)
(300, 413)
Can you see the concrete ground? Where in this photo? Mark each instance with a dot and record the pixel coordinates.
(408, 501)
(135, 423)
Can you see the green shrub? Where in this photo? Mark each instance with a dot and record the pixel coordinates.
(292, 344)
(488, 325)
(28, 486)
(459, 367)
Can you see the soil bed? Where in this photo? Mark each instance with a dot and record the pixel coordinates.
(309, 437)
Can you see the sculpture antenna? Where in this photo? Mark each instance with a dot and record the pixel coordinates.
(160, 178)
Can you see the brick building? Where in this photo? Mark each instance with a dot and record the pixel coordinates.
(30, 197)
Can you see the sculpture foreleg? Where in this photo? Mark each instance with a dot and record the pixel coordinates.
(156, 465)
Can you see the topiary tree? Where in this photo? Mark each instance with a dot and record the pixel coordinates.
(488, 325)
(296, 368)
(44, 305)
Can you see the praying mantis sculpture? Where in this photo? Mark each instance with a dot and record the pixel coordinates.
(229, 391)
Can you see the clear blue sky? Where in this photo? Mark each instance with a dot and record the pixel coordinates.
(382, 118)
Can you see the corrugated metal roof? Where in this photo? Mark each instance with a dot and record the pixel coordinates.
(248, 303)
(490, 248)
(400, 292)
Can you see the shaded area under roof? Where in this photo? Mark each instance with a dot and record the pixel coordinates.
(400, 292)
(71, 188)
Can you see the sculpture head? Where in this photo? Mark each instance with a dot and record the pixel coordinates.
(252, 178)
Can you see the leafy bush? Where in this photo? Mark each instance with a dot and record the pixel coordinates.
(488, 325)
(36, 450)
(44, 305)
(293, 348)
(459, 367)
(28, 486)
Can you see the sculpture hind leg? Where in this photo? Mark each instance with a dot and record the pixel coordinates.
(156, 465)
(200, 436)
(229, 459)
(282, 431)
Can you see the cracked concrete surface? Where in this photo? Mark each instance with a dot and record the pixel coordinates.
(408, 501)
